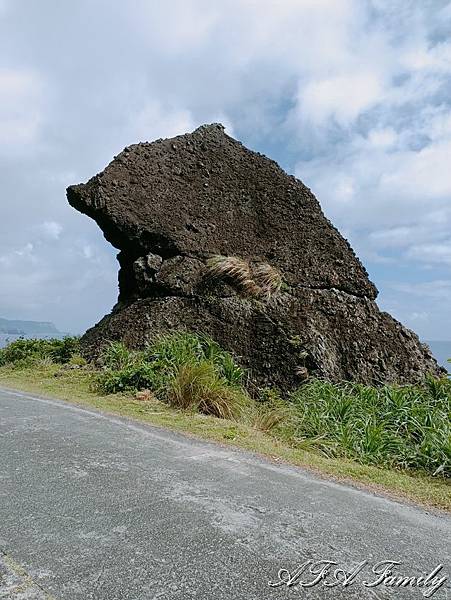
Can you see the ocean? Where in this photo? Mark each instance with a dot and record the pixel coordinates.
(6, 338)
(441, 351)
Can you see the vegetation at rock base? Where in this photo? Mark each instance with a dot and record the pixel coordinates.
(161, 363)
(26, 352)
(406, 428)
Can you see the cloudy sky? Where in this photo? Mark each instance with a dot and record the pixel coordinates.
(352, 96)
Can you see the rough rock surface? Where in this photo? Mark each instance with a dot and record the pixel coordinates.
(170, 205)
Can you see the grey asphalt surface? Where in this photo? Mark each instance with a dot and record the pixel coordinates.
(94, 506)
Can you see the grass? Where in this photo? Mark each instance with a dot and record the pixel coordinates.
(392, 439)
(198, 388)
(268, 279)
(161, 363)
(406, 427)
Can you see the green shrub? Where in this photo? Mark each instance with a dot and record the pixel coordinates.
(124, 369)
(27, 351)
(78, 360)
(136, 376)
(28, 362)
(116, 356)
(169, 351)
(187, 370)
(23, 349)
(61, 351)
(397, 426)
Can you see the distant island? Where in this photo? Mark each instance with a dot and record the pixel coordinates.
(27, 328)
(12, 329)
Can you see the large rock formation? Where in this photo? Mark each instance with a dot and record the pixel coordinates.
(171, 205)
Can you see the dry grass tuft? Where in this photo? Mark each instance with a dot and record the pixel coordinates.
(236, 270)
(266, 418)
(268, 279)
(197, 386)
(263, 280)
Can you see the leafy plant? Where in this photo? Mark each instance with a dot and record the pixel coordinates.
(61, 351)
(398, 426)
(168, 352)
(116, 356)
(23, 350)
(134, 376)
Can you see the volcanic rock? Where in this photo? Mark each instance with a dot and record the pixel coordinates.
(173, 206)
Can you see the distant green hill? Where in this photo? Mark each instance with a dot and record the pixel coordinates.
(17, 327)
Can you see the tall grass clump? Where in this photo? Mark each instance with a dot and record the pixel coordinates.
(199, 387)
(167, 353)
(268, 279)
(406, 427)
(271, 414)
(186, 370)
(27, 352)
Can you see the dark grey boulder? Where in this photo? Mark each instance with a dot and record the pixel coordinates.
(171, 205)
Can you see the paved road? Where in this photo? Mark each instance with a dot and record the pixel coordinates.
(93, 506)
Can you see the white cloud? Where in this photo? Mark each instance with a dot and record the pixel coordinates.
(342, 98)
(155, 121)
(51, 230)
(440, 289)
(422, 173)
(23, 255)
(345, 189)
(388, 195)
(175, 26)
(393, 238)
(383, 137)
(436, 59)
(431, 253)
(20, 108)
(26, 251)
